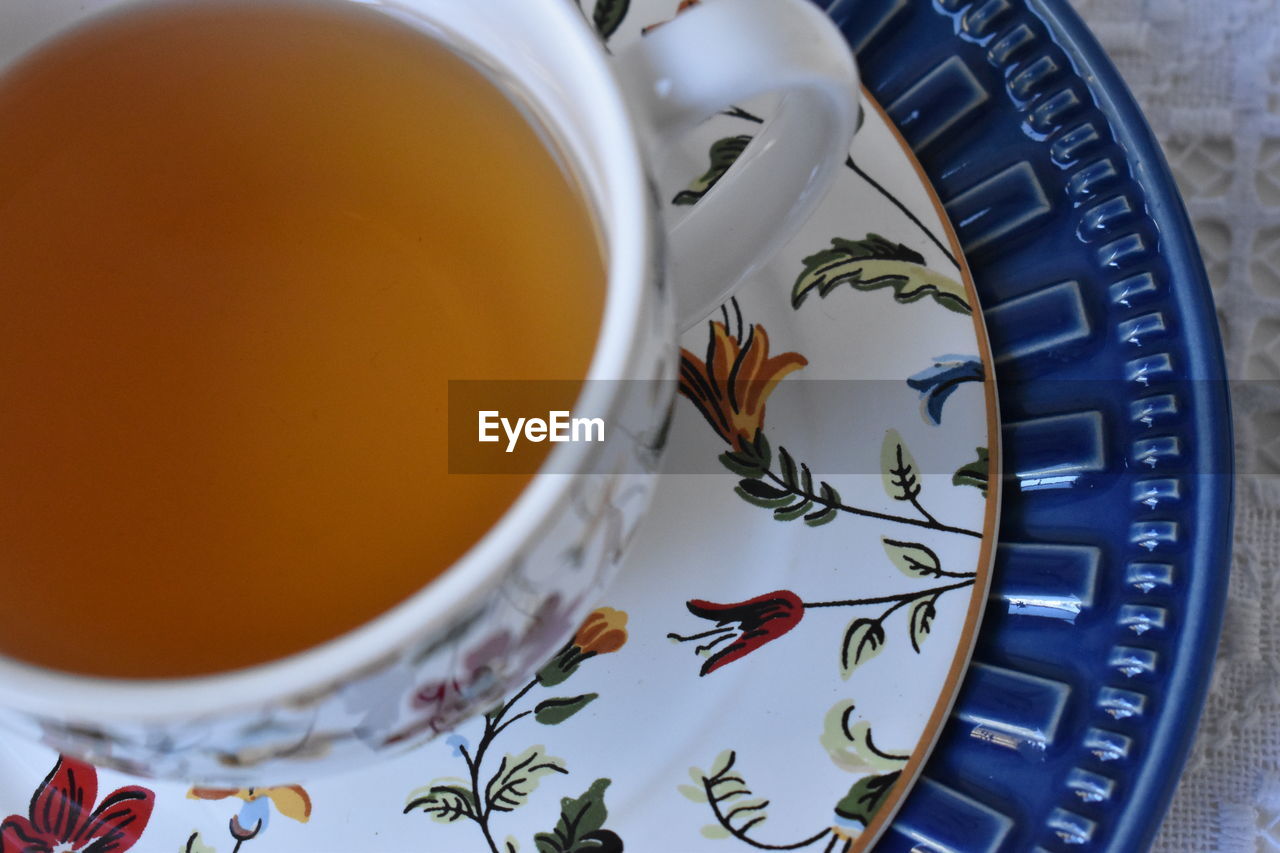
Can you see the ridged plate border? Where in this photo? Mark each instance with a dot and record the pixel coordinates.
(1111, 573)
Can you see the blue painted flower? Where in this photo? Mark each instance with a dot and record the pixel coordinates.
(936, 383)
(457, 743)
(254, 816)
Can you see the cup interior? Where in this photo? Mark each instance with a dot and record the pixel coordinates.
(543, 54)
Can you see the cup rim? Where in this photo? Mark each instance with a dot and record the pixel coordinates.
(626, 219)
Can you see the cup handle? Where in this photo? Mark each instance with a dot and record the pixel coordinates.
(719, 53)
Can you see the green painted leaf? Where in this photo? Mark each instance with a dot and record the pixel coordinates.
(913, 559)
(898, 468)
(975, 473)
(581, 825)
(729, 795)
(608, 16)
(837, 739)
(697, 794)
(920, 620)
(873, 263)
(750, 809)
(517, 777)
(512, 845)
(760, 450)
(787, 464)
(865, 797)
(762, 494)
(552, 712)
(793, 512)
(445, 800)
(863, 640)
(757, 489)
(723, 154)
(848, 742)
(820, 517)
(741, 465)
(727, 789)
(722, 762)
(714, 831)
(560, 667)
(195, 844)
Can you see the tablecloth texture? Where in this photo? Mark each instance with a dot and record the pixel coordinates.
(1207, 75)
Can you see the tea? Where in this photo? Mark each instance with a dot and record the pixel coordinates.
(243, 248)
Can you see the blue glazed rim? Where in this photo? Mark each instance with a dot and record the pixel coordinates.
(1070, 731)
(1175, 733)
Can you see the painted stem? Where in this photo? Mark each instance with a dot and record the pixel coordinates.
(493, 725)
(915, 220)
(741, 834)
(896, 600)
(928, 523)
(738, 112)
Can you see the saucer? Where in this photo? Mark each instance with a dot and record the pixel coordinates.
(1094, 656)
(783, 645)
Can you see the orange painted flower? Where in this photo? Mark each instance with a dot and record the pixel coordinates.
(730, 386)
(292, 801)
(604, 631)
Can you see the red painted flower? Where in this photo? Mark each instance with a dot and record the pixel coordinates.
(747, 624)
(60, 817)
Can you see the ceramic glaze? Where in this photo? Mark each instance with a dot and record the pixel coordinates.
(490, 621)
(796, 611)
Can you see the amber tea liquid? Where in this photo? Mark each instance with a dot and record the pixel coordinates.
(243, 248)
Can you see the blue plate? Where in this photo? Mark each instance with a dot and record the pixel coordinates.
(1093, 662)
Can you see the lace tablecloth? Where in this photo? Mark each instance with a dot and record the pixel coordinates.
(1207, 75)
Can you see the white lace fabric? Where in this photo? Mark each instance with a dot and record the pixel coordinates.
(1207, 75)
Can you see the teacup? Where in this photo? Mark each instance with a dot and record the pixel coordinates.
(513, 607)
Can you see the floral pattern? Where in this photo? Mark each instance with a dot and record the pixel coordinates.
(738, 812)
(747, 625)
(789, 573)
(466, 799)
(63, 815)
(731, 384)
(721, 387)
(939, 381)
(714, 386)
(254, 815)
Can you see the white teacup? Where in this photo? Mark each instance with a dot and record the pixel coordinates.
(519, 595)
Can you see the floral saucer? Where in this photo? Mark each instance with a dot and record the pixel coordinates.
(780, 652)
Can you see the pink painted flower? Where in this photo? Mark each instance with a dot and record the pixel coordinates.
(62, 815)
